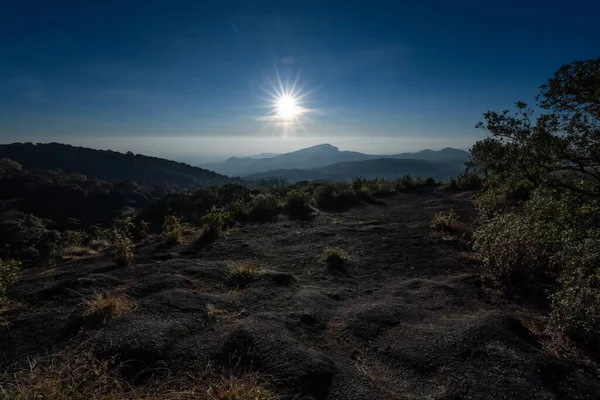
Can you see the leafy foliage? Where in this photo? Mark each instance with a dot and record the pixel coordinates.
(298, 204)
(445, 221)
(122, 249)
(172, 230)
(540, 215)
(264, 207)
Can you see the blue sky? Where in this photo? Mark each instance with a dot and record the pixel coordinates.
(189, 78)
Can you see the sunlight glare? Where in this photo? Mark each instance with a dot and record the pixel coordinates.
(287, 107)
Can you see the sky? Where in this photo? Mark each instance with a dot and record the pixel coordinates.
(200, 79)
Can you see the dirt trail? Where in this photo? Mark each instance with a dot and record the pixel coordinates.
(407, 320)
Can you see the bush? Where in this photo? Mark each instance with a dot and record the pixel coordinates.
(383, 187)
(214, 223)
(9, 271)
(406, 182)
(264, 208)
(515, 250)
(448, 184)
(298, 205)
(445, 221)
(335, 257)
(172, 230)
(575, 312)
(335, 197)
(122, 250)
(468, 181)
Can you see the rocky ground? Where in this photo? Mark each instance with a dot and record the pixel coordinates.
(407, 319)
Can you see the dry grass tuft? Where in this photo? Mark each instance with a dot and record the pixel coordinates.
(214, 312)
(246, 387)
(242, 273)
(335, 257)
(78, 251)
(104, 306)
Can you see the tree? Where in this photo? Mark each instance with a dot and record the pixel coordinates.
(561, 148)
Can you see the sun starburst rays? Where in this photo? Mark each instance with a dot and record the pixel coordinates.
(285, 102)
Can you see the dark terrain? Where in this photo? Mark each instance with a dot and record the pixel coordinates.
(110, 165)
(407, 320)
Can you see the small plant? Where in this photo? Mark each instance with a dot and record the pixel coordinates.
(122, 249)
(246, 387)
(242, 273)
(104, 306)
(172, 230)
(143, 229)
(335, 257)
(214, 224)
(445, 221)
(9, 271)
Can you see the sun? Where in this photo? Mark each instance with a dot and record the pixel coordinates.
(287, 107)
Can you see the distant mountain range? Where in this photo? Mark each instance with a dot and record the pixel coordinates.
(388, 168)
(110, 165)
(328, 162)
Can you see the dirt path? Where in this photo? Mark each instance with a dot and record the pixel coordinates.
(407, 320)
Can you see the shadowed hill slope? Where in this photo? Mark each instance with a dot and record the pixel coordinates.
(110, 165)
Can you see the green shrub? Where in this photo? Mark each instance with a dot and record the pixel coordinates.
(575, 312)
(122, 249)
(448, 184)
(265, 207)
(335, 257)
(214, 223)
(383, 187)
(358, 184)
(335, 197)
(298, 204)
(515, 249)
(406, 182)
(172, 230)
(468, 181)
(445, 221)
(9, 271)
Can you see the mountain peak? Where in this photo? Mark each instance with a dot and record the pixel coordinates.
(320, 148)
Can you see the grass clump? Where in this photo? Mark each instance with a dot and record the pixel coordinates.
(246, 387)
(9, 271)
(335, 257)
(445, 221)
(242, 273)
(104, 306)
(65, 377)
(122, 250)
(172, 230)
